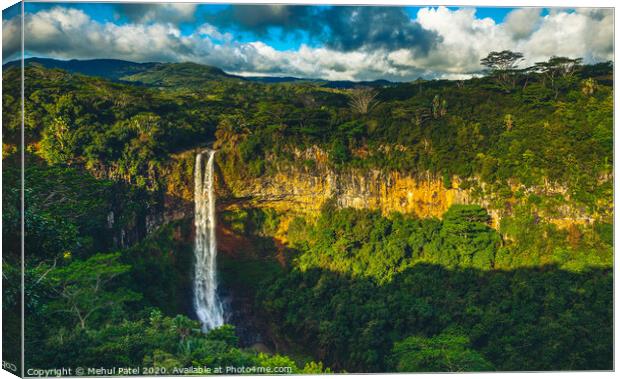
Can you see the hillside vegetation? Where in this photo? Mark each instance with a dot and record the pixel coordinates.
(357, 290)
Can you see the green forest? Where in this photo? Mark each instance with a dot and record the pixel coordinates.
(350, 290)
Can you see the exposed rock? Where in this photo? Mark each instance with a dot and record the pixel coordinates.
(295, 187)
(305, 191)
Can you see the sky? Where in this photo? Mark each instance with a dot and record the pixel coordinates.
(327, 42)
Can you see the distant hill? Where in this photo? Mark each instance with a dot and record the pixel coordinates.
(351, 84)
(152, 73)
(179, 75)
(106, 68)
(281, 79)
(173, 74)
(325, 83)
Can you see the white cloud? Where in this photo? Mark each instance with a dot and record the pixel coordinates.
(520, 23)
(11, 40)
(585, 33)
(70, 33)
(466, 39)
(212, 32)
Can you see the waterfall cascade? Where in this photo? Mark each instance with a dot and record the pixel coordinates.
(206, 301)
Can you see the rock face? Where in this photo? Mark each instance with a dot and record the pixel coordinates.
(303, 184)
(304, 189)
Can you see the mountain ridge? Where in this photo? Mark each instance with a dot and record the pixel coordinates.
(164, 73)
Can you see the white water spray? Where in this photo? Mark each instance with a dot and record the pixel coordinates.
(206, 302)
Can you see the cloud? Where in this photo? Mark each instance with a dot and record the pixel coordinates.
(461, 40)
(345, 28)
(259, 18)
(586, 33)
(11, 38)
(466, 39)
(213, 33)
(324, 63)
(170, 12)
(70, 33)
(353, 28)
(520, 23)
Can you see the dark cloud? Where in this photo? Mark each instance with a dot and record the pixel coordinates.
(172, 12)
(11, 33)
(343, 28)
(353, 28)
(259, 18)
(134, 12)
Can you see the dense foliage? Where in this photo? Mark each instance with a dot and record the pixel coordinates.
(365, 243)
(445, 352)
(535, 319)
(514, 140)
(356, 289)
(360, 282)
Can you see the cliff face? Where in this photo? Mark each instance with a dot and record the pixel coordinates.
(305, 184)
(301, 186)
(304, 189)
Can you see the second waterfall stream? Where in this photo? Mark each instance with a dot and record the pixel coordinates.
(206, 301)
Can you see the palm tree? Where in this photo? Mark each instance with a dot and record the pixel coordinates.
(363, 99)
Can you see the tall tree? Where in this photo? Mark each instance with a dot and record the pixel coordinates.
(84, 288)
(503, 66)
(558, 72)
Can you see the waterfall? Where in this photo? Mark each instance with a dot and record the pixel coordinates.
(206, 302)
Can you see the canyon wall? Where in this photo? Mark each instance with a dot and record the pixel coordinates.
(304, 189)
(302, 185)
(305, 183)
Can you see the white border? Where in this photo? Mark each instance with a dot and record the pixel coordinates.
(478, 3)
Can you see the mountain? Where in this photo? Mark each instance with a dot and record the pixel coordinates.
(114, 69)
(342, 84)
(186, 74)
(179, 75)
(151, 73)
(281, 79)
